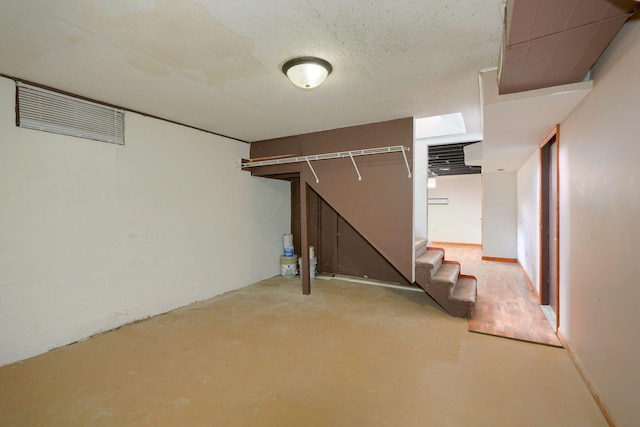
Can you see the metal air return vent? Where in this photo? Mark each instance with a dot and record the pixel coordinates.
(50, 111)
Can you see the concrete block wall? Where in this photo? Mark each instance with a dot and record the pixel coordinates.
(95, 235)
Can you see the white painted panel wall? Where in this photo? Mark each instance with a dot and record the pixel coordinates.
(94, 235)
(529, 217)
(599, 231)
(499, 215)
(461, 220)
(420, 161)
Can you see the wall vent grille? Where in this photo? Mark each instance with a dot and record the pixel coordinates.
(49, 111)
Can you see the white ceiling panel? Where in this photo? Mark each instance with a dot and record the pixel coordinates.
(216, 65)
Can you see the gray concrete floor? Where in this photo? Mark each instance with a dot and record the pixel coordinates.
(349, 354)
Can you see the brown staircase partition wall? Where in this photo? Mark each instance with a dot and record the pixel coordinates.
(339, 247)
(380, 207)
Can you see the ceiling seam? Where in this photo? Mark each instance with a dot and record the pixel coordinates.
(86, 98)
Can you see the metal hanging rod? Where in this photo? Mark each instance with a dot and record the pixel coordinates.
(327, 156)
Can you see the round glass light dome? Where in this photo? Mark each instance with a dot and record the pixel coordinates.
(307, 72)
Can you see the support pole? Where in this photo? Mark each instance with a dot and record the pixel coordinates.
(305, 274)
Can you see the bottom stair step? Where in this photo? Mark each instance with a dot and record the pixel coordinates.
(464, 291)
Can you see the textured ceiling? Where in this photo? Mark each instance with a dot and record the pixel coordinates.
(216, 65)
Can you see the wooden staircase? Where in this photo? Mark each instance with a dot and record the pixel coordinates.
(441, 279)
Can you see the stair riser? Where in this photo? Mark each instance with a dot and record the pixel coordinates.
(436, 267)
(446, 275)
(420, 247)
(465, 291)
(441, 295)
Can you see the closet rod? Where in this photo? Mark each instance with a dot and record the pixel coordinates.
(325, 156)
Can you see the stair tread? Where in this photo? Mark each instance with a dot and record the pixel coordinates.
(420, 242)
(429, 257)
(420, 246)
(447, 273)
(464, 290)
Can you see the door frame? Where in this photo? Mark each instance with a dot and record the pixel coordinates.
(554, 136)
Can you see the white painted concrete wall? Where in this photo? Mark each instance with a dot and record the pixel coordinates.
(94, 235)
(599, 227)
(461, 220)
(499, 215)
(529, 217)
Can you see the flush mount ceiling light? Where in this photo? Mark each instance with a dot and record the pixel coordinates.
(307, 72)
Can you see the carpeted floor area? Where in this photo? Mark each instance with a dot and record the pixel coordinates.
(349, 354)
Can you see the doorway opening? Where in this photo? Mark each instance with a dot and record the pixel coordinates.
(550, 229)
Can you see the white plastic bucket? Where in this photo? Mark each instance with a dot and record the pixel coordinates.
(313, 262)
(287, 245)
(288, 266)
